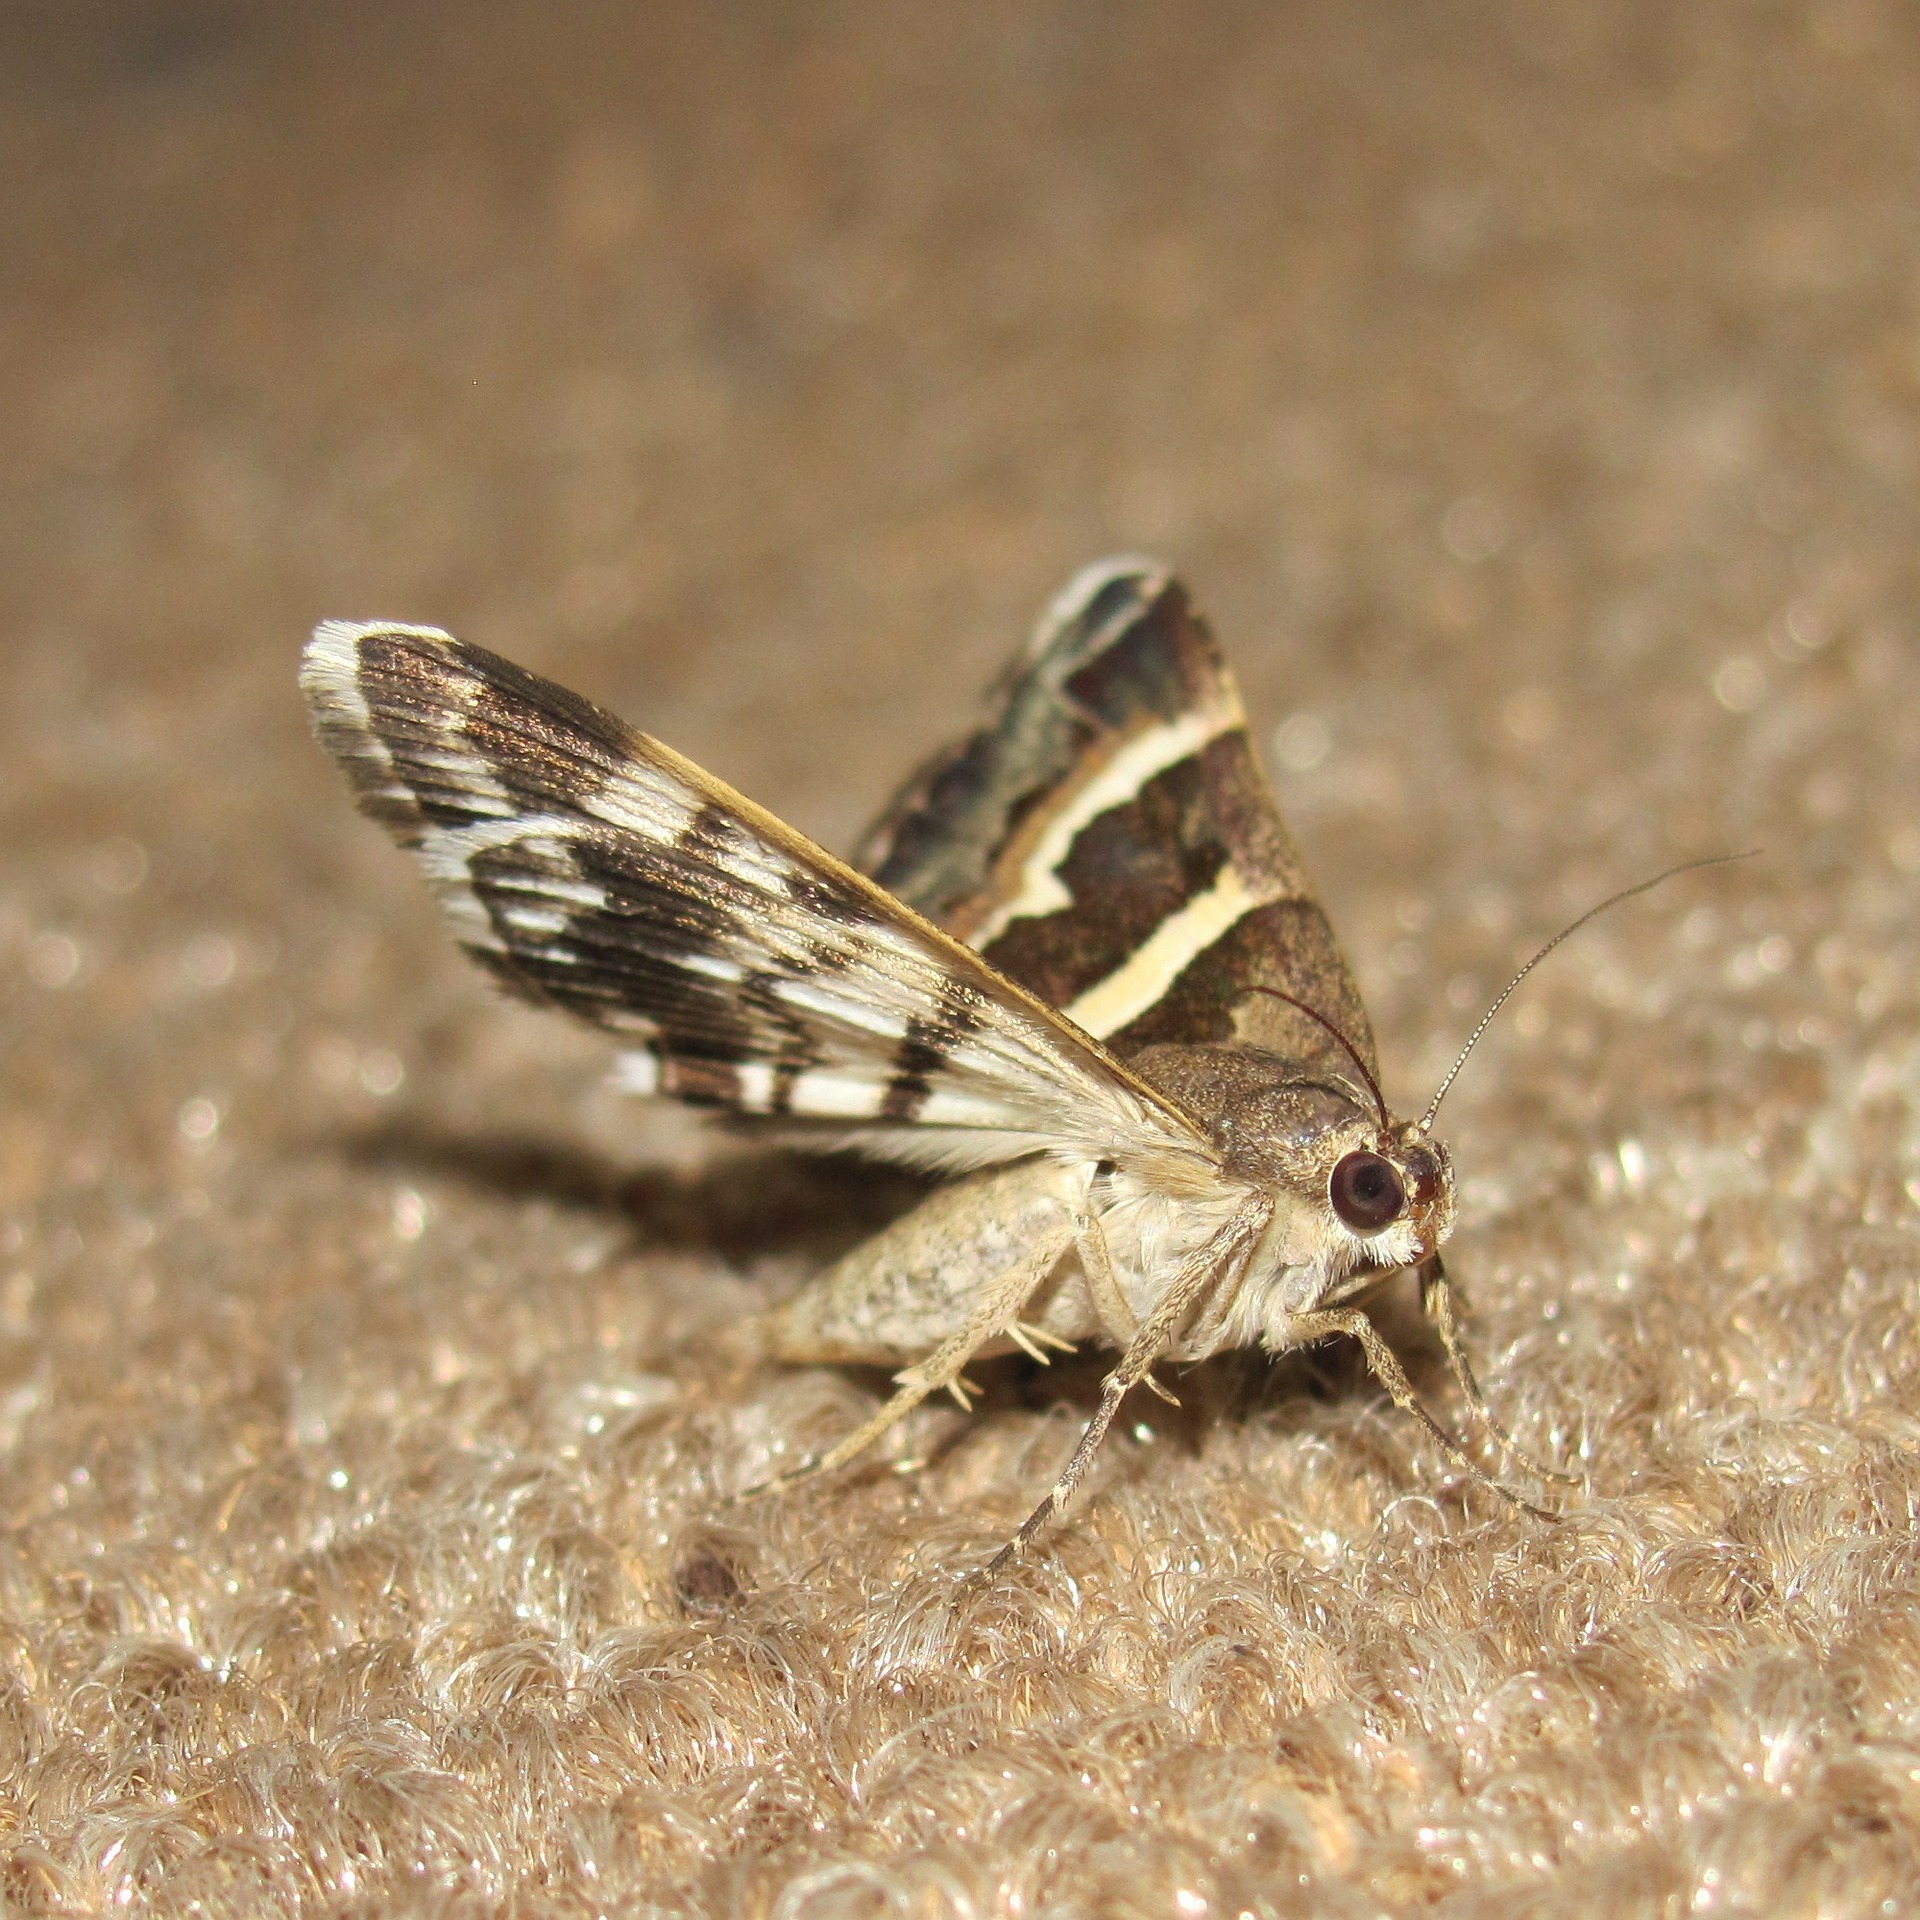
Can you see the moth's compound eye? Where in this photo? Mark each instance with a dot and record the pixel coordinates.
(1366, 1193)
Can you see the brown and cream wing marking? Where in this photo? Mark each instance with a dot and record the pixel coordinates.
(1107, 838)
(587, 866)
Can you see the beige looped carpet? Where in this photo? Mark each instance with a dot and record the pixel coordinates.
(1531, 394)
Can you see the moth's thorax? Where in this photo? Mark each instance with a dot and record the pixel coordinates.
(1311, 1145)
(1268, 1119)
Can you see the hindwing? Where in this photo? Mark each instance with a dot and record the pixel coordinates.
(1107, 839)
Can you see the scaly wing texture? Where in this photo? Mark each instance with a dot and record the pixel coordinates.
(1107, 838)
(589, 867)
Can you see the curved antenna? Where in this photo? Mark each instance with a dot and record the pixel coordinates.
(1565, 933)
(1353, 1052)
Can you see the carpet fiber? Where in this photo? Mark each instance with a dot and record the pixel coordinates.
(1531, 395)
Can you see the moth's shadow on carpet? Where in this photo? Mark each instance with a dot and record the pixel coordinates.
(740, 1206)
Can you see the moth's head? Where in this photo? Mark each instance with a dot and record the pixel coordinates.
(1356, 1190)
(1392, 1195)
(1366, 1195)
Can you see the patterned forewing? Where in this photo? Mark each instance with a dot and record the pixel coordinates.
(589, 867)
(1107, 838)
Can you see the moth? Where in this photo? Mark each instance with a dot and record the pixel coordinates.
(1076, 964)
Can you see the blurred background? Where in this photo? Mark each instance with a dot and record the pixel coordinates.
(1526, 388)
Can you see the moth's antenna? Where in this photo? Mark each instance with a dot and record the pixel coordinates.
(1565, 933)
(1353, 1052)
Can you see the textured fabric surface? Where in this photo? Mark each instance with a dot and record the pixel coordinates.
(1528, 392)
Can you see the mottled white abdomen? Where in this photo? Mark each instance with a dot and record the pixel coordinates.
(898, 1295)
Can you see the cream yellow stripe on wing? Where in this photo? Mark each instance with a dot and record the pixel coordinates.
(1041, 891)
(1127, 992)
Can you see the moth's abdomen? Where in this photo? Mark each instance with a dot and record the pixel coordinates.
(898, 1295)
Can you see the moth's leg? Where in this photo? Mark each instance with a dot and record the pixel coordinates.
(1436, 1296)
(1103, 1289)
(1103, 1285)
(1036, 1342)
(1391, 1375)
(996, 1311)
(1154, 1336)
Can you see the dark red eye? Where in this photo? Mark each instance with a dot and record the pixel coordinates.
(1366, 1192)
